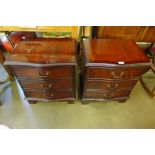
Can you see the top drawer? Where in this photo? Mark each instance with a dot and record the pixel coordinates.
(44, 72)
(115, 73)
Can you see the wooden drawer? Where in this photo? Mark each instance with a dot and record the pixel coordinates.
(115, 73)
(106, 94)
(44, 72)
(50, 94)
(54, 84)
(106, 85)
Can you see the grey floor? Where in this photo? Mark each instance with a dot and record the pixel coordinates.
(137, 112)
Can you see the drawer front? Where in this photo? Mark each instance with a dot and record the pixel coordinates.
(44, 72)
(115, 73)
(40, 85)
(49, 94)
(106, 94)
(106, 85)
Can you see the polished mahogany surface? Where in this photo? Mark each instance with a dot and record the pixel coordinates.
(43, 52)
(45, 68)
(113, 51)
(110, 69)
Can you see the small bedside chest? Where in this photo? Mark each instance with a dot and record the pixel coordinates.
(45, 69)
(110, 69)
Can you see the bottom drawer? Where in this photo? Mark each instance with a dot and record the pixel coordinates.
(49, 95)
(105, 94)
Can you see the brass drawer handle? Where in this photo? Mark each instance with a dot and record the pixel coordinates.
(48, 95)
(44, 76)
(112, 87)
(48, 86)
(117, 76)
(108, 95)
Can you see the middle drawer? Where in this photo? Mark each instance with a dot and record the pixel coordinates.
(52, 84)
(110, 85)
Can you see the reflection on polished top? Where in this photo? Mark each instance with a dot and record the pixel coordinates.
(113, 51)
(43, 51)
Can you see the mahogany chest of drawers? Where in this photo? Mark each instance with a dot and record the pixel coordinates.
(45, 69)
(110, 69)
